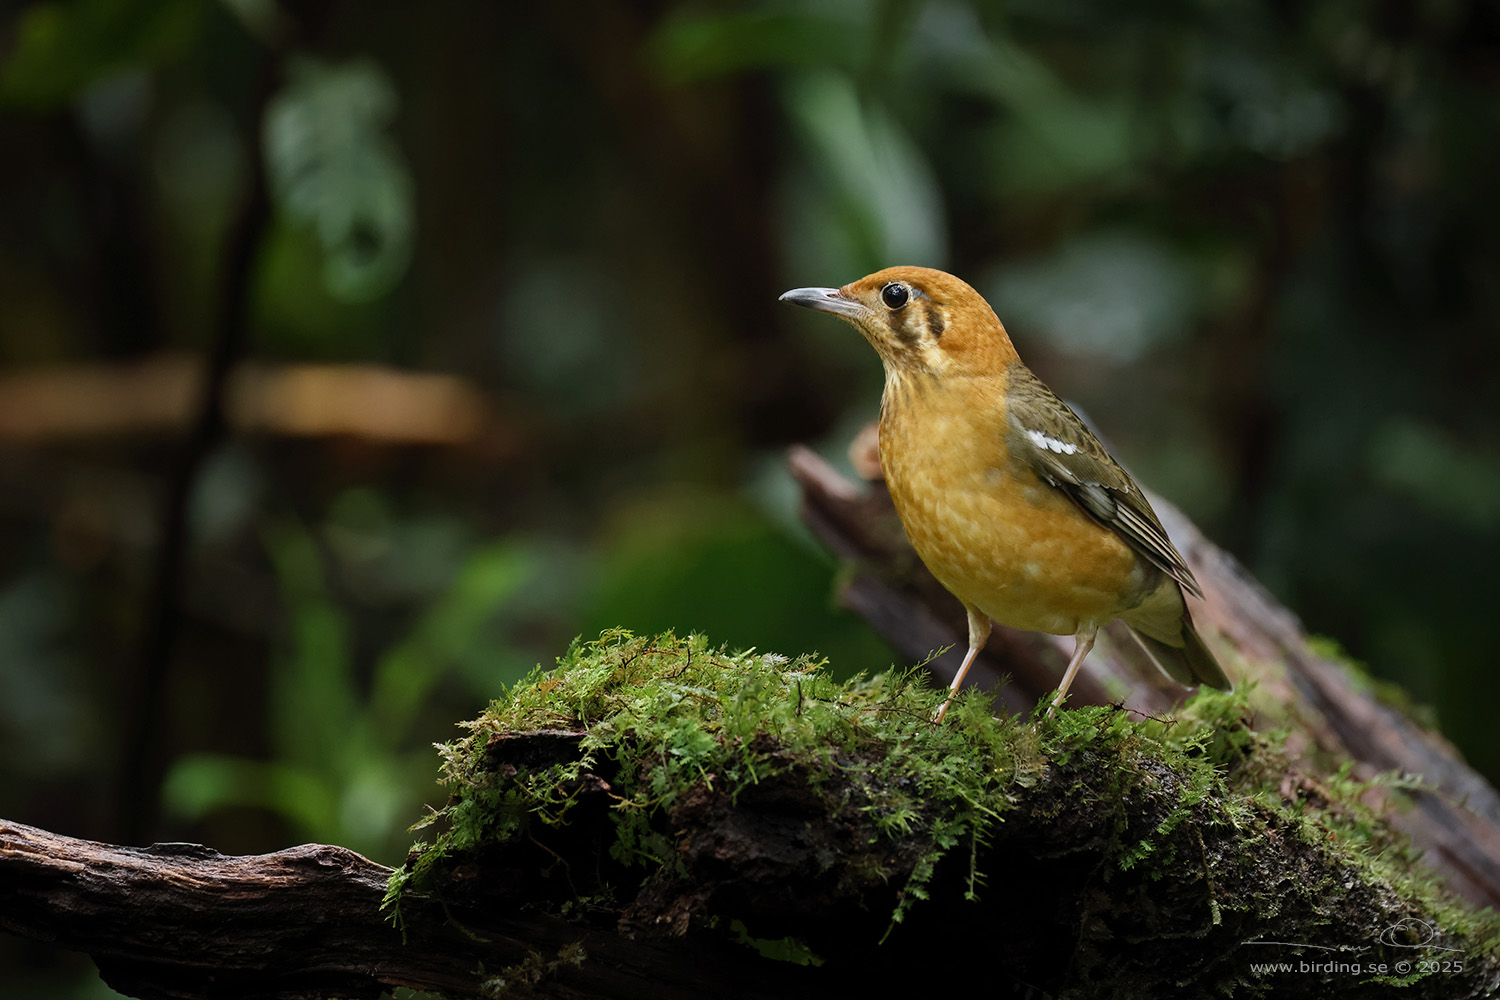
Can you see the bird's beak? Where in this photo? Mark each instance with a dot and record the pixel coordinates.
(829, 300)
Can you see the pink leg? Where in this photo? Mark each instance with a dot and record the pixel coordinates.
(979, 634)
(1082, 643)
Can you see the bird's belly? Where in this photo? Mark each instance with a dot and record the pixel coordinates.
(1019, 550)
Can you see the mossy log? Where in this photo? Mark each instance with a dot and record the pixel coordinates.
(1338, 717)
(658, 818)
(684, 793)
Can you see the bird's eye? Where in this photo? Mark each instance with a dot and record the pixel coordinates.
(894, 295)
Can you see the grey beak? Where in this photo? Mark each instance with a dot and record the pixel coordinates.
(829, 300)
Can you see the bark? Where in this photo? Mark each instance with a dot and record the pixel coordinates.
(182, 921)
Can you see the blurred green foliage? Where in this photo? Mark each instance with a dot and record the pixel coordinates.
(716, 565)
(58, 49)
(1256, 243)
(334, 168)
(343, 763)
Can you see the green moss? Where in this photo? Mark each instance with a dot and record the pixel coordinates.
(784, 949)
(536, 968)
(666, 714)
(669, 718)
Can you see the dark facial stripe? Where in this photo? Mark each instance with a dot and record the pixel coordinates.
(901, 326)
(934, 321)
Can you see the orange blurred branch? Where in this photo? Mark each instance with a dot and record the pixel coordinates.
(158, 395)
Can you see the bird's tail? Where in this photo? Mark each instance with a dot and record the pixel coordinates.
(1188, 664)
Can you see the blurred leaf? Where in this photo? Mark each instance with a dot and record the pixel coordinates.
(45, 727)
(1427, 465)
(376, 798)
(61, 48)
(198, 784)
(342, 772)
(363, 808)
(690, 46)
(699, 562)
(226, 496)
(333, 167)
(877, 187)
(313, 697)
(389, 560)
(262, 18)
(1267, 105)
(1053, 138)
(450, 629)
(1115, 294)
(296, 311)
(198, 158)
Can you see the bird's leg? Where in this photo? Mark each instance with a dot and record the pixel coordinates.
(1082, 643)
(979, 634)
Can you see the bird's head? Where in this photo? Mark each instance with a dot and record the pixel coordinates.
(918, 319)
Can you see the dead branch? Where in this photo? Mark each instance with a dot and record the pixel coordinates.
(1456, 814)
(183, 922)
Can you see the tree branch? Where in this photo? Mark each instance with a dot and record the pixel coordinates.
(1456, 818)
(183, 922)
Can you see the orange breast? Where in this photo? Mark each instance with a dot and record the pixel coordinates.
(991, 531)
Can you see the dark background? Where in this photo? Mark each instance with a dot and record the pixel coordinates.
(493, 289)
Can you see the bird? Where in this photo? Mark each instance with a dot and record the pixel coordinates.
(1006, 495)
